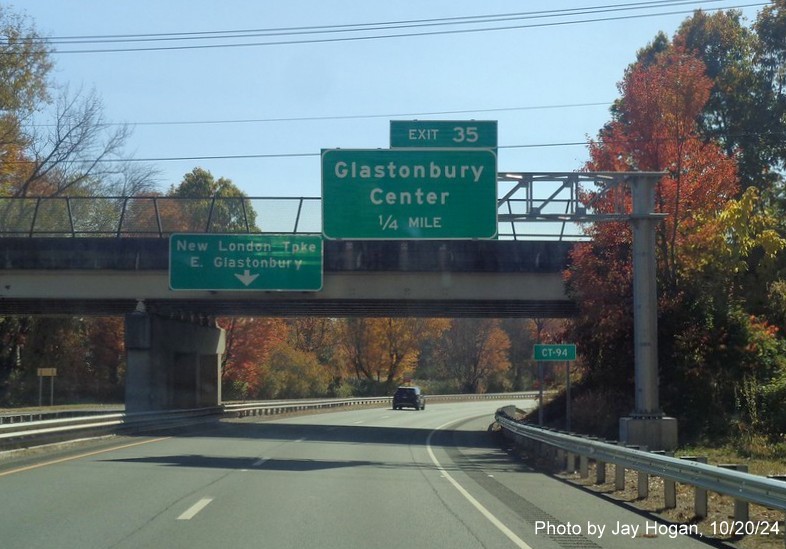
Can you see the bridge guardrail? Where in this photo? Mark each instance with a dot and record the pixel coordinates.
(742, 486)
(35, 433)
(268, 407)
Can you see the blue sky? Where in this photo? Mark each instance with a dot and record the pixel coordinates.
(547, 82)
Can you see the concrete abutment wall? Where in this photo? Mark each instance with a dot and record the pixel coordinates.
(171, 364)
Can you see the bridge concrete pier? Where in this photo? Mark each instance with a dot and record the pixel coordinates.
(171, 364)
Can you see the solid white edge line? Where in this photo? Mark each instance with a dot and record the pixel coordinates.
(194, 509)
(475, 503)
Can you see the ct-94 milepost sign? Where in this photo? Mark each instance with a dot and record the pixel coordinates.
(409, 193)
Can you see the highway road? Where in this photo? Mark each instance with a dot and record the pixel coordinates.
(371, 478)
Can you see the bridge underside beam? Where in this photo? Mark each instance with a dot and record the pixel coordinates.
(294, 308)
(105, 276)
(529, 295)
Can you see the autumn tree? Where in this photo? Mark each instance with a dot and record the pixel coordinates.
(88, 354)
(383, 351)
(106, 356)
(292, 373)
(522, 333)
(474, 351)
(656, 128)
(13, 335)
(54, 141)
(249, 342)
(25, 66)
(319, 337)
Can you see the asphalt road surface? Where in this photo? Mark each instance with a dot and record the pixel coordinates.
(372, 478)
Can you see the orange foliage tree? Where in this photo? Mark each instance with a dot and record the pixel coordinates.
(384, 351)
(654, 129)
(702, 322)
(474, 351)
(249, 342)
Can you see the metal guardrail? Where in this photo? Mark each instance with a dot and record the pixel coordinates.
(266, 408)
(278, 407)
(751, 488)
(42, 414)
(34, 433)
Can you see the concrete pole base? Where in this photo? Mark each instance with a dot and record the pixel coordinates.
(653, 433)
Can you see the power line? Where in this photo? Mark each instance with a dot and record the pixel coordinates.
(345, 116)
(501, 18)
(355, 27)
(317, 154)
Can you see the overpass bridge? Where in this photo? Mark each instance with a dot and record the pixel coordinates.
(104, 255)
(55, 258)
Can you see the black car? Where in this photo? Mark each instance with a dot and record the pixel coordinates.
(409, 396)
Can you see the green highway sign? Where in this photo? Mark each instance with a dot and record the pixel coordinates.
(260, 262)
(409, 193)
(561, 352)
(448, 134)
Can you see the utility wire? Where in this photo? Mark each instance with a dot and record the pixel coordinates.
(583, 143)
(400, 34)
(356, 27)
(342, 117)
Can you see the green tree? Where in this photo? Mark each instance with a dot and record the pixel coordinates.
(770, 57)
(738, 111)
(211, 205)
(747, 103)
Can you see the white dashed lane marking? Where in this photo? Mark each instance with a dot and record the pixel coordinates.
(194, 509)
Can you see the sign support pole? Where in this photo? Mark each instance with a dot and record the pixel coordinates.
(540, 393)
(646, 425)
(567, 396)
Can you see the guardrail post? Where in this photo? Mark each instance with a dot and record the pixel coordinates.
(570, 466)
(619, 477)
(551, 453)
(560, 459)
(643, 484)
(699, 494)
(583, 466)
(669, 494)
(741, 508)
(669, 486)
(600, 472)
